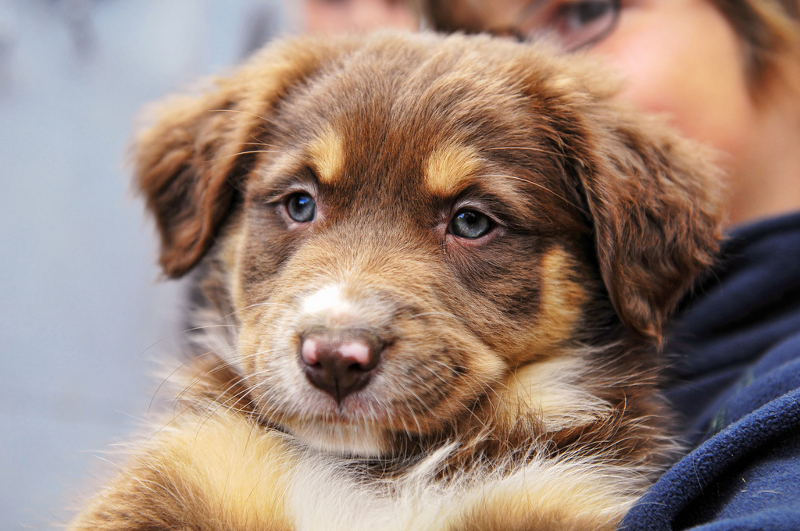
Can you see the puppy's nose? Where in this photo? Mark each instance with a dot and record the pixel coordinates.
(339, 362)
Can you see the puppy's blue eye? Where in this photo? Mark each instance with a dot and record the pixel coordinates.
(470, 224)
(301, 207)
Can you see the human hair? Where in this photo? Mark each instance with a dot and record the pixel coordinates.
(770, 30)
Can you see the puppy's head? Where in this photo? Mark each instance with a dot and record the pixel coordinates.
(402, 222)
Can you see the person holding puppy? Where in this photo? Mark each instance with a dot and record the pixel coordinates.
(725, 73)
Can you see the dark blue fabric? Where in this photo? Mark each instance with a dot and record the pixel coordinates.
(735, 379)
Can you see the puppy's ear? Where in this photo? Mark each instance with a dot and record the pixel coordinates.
(656, 205)
(653, 200)
(191, 163)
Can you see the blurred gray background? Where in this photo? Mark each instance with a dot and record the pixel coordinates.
(82, 314)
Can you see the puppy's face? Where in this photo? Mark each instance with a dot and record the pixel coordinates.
(385, 279)
(402, 224)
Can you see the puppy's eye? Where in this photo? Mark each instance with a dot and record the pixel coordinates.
(470, 224)
(301, 207)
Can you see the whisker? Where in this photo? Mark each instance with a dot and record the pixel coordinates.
(525, 148)
(262, 118)
(252, 151)
(445, 314)
(546, 189)
(182, 332)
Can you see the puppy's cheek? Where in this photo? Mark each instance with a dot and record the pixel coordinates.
(270, 361)
(248, 347)
(550, 331)
(230, 256)
(563, 294)
(438, 374)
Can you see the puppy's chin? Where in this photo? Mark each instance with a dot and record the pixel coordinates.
(342, 438)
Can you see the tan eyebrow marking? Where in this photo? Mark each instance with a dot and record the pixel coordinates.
(327, 156)
(450, 167)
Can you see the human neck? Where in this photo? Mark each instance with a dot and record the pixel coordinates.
(767, 181)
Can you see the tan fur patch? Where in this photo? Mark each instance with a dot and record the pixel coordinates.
(550, 389)
(562, 299)
(327, 156)
(241, 470)
(203, 470)
(449, 168)
(230, 251)
(563, 496)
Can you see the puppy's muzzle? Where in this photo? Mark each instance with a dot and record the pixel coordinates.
(339, 362)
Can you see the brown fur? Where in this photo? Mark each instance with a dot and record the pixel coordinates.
(517, 384)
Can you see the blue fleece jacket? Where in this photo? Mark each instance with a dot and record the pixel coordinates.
(736, 382)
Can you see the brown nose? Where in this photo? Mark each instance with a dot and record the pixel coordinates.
(339, 362)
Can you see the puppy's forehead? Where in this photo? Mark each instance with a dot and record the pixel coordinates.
(396, 142)
(445, 170)
(422, 124)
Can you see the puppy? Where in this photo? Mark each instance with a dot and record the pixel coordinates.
(430, 278)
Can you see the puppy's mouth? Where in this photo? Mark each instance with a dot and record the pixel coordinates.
(341, 436)
(359, 424)
(353, 413)
(386, 402)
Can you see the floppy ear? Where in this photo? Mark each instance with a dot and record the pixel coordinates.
(656, 205)
(191, 163)
(653, 200)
